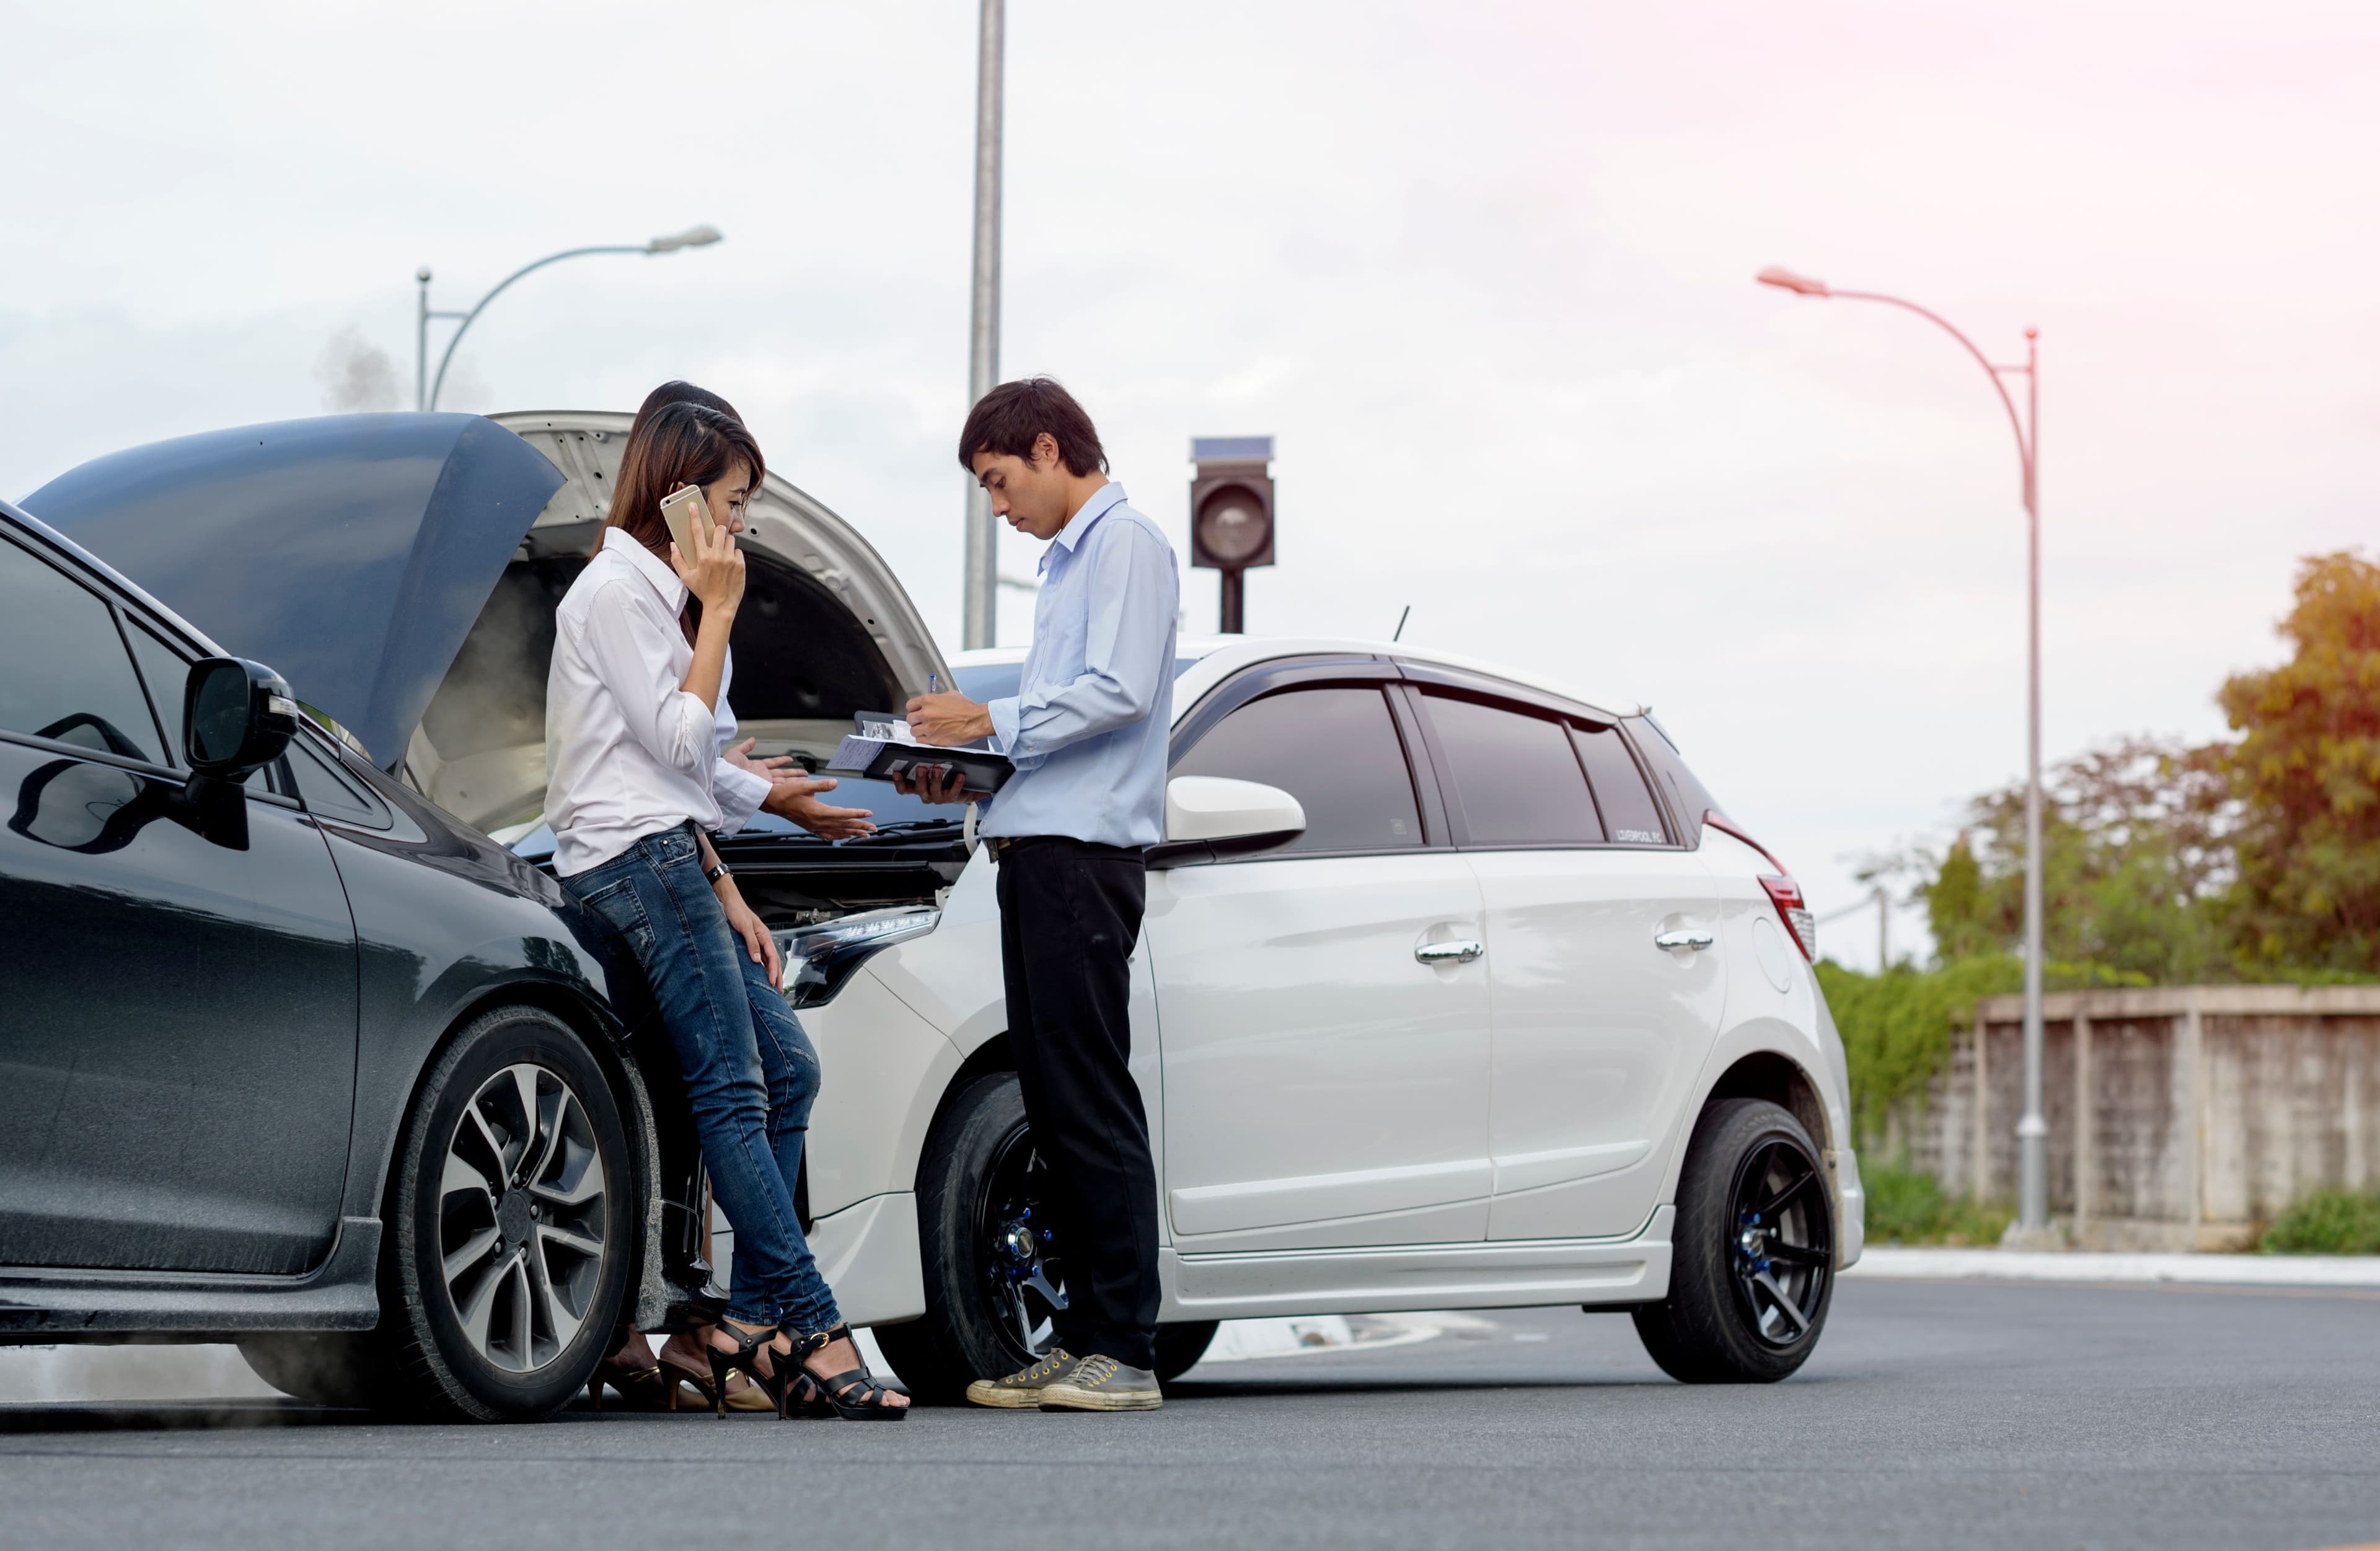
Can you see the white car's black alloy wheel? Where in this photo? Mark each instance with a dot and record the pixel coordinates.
(1025, 1281)
(1752, 1253)
(1784, 1249)
(522, 1210)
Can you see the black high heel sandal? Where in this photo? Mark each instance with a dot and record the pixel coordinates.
(854, 1396)
(777, 1386)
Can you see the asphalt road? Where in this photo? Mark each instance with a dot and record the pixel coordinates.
(1933, 1415)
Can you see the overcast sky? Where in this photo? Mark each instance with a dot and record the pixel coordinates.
(1484, 269)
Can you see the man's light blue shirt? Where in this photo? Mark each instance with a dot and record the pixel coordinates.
(1088, 724)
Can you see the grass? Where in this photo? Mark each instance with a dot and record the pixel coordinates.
(2327, 1222)
(1907, 1208)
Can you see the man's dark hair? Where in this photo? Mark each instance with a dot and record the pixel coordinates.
(1010, 417)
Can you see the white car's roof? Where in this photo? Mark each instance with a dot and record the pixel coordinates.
(1221, 656)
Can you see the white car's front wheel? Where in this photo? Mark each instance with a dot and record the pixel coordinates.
(994, 1265)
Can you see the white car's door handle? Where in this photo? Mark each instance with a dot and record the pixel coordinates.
(1435, 953)
(1684, 937)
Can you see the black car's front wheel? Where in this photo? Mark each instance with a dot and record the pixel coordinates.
(1753, 1258)
(511, 1223)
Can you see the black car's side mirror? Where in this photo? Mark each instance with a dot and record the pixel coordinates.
(237, 717)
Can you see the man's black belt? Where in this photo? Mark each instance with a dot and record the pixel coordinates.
(1002, 844)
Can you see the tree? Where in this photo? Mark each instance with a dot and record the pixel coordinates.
(2308, 767)
(2137, 857)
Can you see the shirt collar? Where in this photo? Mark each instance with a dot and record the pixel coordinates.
(652, 567)
(1103, 499)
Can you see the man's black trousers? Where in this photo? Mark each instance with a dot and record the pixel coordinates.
(1069, 915)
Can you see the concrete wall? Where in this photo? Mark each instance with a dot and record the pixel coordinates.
(2179, 1118)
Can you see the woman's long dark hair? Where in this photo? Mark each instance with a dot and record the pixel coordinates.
(683, 443)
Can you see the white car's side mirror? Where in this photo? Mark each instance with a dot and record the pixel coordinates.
(1209, 815)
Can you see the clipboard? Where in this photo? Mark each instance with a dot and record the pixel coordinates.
(880, 748)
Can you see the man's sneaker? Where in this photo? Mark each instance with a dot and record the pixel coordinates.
(1021, 1389)
(1100, 1383)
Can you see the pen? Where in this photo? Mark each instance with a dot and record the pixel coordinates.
(934, 684)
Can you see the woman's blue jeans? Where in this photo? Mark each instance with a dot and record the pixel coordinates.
(750, 1072)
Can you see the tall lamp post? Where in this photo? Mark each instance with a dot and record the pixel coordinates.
(427, 397)
(2032, 1131)
(980, 582)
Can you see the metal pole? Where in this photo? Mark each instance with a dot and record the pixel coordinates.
(1233, 601)
(1883, 931)
(470, 318)
(2032, 1131)
(422, 341)
(979, 584)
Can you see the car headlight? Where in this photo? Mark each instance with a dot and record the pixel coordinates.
(820, 959)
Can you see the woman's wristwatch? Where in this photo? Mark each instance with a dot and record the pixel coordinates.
(713, 874)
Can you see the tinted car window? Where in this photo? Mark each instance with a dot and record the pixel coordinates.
(1630, 815)
(326, 790)
(169, 673)
(64, 672)
(1334, 749)
(1515, 775)
(1689, 799)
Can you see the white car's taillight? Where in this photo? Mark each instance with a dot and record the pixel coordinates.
(1786, 895)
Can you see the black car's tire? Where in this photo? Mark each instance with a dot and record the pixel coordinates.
(1751, 1268)
(1178, 1347)
(329, 1367)
(544, 1246)
(981, 1258)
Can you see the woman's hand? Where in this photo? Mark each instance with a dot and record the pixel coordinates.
(759, 941)
(714, 572)
(795, 797)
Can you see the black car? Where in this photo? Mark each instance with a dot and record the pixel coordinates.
(293, 1058)
(306, 1050)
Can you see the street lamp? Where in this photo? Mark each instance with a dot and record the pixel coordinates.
(693, 237)
(2032, 1131)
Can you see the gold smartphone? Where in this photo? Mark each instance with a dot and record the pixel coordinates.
(681, 511)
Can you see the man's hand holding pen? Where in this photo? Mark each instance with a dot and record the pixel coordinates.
(946, 720)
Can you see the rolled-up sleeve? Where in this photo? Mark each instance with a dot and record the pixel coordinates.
(1134, 594)
(627, 654)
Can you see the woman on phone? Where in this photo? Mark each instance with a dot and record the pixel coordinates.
(640, 650)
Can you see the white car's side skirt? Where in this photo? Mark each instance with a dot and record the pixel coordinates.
(1506, 1274)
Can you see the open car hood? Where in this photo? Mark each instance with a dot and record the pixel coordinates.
(401, 571)
(351, 552)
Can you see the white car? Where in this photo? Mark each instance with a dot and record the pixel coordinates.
(1453, 991)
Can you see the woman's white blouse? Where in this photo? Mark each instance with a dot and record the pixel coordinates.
(627, 752)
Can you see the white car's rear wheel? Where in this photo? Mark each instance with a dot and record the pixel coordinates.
(1753, 1269)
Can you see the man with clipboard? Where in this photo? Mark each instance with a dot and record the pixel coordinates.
(1086, 732)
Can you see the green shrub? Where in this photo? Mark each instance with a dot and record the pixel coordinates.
(1907, 1208)
(1897, 1026)
(2327, 1222)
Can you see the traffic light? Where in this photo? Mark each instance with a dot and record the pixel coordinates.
(1230, 511)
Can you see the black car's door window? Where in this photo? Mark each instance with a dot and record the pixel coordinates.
(63, 671)
(328, 792)
(1336, 750)
(1515, 775)
(1629, 811)
(169, 673)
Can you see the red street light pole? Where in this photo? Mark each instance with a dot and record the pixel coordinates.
(2032, 1131)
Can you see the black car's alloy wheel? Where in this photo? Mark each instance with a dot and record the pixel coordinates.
(511, 1224)
(995, 1265)
(1751, 1268)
